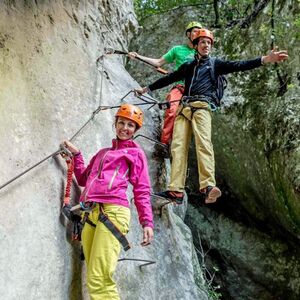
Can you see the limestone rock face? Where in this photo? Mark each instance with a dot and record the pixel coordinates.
(256, 142)
(50, 84)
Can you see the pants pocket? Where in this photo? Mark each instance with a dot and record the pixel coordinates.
(119, 215)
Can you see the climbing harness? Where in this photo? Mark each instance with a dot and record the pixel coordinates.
(109, 51)
(187, 100)
(87, 208)
(103, 218)
(80, 222)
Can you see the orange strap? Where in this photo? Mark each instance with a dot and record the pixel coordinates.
(70, 171)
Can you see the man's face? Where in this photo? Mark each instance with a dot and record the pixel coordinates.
(193, 33)
(204, 46)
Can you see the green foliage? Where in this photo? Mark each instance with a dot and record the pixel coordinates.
(214, 295)
(209, 273)
(228, 10)
(144, 8)
(297, 22)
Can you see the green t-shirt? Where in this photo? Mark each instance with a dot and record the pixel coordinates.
(179, 54)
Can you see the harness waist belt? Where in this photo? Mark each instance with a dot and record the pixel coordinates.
(103, 218)
(113, 229)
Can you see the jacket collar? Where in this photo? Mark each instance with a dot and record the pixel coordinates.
(201, 58)
(120, 144)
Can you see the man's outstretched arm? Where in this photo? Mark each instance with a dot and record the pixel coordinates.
(157, 62)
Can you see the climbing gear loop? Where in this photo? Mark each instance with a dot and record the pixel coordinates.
(87, 206)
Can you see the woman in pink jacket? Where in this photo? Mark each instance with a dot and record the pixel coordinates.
(106, 179)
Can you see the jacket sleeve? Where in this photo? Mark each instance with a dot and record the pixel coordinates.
(168, 79)
(226, 66)
(81, 172)
(139, 178)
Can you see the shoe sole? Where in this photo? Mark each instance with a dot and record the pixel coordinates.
(213, 195)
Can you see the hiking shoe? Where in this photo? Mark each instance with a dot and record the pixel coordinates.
(176, 197)
(212, 193)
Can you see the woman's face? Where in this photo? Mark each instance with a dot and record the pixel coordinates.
(125, 128)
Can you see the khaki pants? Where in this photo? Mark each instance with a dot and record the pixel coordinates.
(198, 123)
(101, 250)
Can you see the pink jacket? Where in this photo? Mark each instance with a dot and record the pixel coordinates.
(108, 174)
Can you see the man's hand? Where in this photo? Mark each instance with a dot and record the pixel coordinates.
(275, 56)
(132, 55)
(147, 236)
(141, 91)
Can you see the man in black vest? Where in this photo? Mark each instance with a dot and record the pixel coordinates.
(194, 115)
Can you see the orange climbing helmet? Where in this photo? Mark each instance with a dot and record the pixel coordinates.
(132, 113)
(203, 33)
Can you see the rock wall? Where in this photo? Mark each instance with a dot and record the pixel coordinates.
(49, 86)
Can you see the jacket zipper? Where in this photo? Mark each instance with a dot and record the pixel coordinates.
(193, 78)
(124, 175)
(114, 176)
(99, 171)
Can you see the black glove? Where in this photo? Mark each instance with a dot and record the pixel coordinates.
(77, 227)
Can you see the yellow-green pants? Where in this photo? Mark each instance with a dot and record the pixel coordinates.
(198, 123)
(101, 250)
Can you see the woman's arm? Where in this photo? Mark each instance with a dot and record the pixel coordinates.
(81, 172)
(140, 181)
